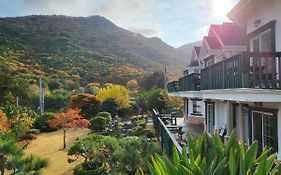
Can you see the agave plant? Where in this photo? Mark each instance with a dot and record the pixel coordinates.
(207, 155)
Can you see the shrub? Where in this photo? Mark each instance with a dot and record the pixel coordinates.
(41, 122)
(33, 131)
(208, 155)
(107, 115)
(142, 123)
(135, 118)
(98, 123)
(79, 170)
(137, 131)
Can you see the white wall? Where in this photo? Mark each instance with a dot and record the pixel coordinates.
(190, 108)
(220, 114)
(268, 11)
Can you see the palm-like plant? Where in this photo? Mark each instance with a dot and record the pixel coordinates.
(207, 155)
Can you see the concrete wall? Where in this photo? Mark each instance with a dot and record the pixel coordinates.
(269, 10)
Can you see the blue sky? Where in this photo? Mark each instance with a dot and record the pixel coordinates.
(176, 22)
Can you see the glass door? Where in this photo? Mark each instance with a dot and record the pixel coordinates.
(264, 129)
(211, 117)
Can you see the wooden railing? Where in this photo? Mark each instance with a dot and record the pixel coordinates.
(166, 138)
(246, 70)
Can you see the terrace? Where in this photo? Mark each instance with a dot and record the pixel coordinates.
(258, 70)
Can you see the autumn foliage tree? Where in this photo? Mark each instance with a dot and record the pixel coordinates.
(117, 92)
(4, 123)
(88, 104)
(69, 119)
(132, 85)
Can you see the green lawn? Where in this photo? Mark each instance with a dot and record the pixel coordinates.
(49, 145)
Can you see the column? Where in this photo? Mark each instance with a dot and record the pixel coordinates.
(240, 126)
(228, 121)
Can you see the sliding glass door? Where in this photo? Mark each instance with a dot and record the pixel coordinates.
(264, 129)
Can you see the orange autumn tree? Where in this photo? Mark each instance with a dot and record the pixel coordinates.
(4, 123)
(69, 119)
(132, 85)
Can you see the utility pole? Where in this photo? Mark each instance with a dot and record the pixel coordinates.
(41, 97)
(17, 102)
(165, 79)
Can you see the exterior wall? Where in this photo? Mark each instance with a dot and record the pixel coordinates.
(193, 118)
(194, 69)
(242, 123)
(221, 113)
(266, 12)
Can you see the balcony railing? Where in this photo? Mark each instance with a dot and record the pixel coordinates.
(190, 82)
(173, 86)
(246, 70)
(166, 138)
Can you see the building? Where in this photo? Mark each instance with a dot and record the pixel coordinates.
(241, 89)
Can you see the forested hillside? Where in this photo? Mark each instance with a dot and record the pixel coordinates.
(83, 49)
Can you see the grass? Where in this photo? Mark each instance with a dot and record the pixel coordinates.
(49, 146)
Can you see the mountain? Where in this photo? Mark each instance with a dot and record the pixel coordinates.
(186, 49)
(84, 49)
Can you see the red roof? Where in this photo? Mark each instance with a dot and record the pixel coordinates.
(213, 42)
(230, 34)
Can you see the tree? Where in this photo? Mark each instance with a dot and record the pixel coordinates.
(69, 119)
(132, 85)
(88, 104)
(4, 123)
(154, 80)
(20, 124)
(41, 121)
(109, 105)
(153, 99)
(113, 155)
(12, 86)
(175, 102)
(208, 155)
(99, 123)
(13, 159)
(117, 92)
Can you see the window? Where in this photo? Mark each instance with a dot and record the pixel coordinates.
(264, 129)
(196, 107)
(262, 42)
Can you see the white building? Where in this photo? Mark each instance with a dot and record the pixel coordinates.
(242, 89)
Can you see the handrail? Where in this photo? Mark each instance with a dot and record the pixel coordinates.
(166, 138)
(172, 137)
(245, 70)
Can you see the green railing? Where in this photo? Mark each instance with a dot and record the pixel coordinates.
(190, 82)
(166, 138)
(246, 70)
(173, 86)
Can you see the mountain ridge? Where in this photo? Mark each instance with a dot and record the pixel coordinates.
(64, 43)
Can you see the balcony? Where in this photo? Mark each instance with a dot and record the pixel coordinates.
(190, 82)
(173, 86)
(247, 70)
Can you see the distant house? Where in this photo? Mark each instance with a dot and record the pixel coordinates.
(239, 83)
